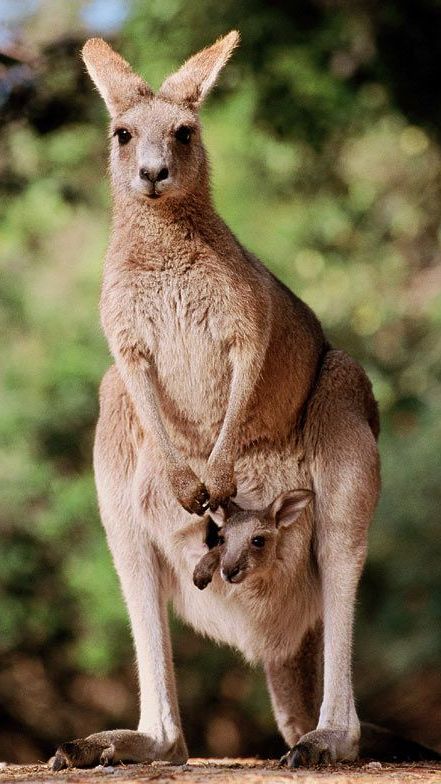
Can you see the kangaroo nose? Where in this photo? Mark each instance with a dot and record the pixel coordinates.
(153, 175)
(232, 573)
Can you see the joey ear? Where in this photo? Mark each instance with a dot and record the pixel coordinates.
(218, 516)
(224, 512)
(118, 84)
(287, 507)
(194, 80)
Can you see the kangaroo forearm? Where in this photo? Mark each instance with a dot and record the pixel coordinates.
(137, 377)
(246, 371)
(219, 477)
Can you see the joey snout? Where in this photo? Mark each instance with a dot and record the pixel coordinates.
(233, 572)
(254, 554)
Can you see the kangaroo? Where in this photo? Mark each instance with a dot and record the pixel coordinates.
(247, 542)
(223, 384)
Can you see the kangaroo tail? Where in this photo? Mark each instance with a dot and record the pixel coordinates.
(381, 744)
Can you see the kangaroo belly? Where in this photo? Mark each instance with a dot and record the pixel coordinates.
(262, 627)
(261, 618)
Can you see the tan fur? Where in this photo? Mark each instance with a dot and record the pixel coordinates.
(222, 380)
(193, 81)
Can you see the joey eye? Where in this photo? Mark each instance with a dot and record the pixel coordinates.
(221, 539)
(123, 135)
(183, 134)
(258, 541)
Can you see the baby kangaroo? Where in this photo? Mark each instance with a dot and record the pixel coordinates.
(246, 543)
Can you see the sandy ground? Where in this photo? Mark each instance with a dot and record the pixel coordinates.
(228, 771)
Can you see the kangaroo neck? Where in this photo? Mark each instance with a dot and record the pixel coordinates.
(169, 225)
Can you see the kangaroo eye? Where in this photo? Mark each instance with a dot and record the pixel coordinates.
(183, 134)
(123, 135)
(221, 540)
(258, 541)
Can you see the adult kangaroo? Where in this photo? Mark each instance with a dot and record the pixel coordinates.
(223, 381)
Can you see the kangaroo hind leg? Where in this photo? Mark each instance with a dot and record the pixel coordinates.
(144, 576)
(295, 687)
(345, 470)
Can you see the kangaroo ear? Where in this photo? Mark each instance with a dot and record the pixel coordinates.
(287, 507)
(118, 84)
(194, 80)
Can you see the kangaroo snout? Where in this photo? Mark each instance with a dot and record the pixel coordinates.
(153, 173)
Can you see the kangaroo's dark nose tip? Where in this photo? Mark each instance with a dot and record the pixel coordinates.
(153, 175)
(232, 573)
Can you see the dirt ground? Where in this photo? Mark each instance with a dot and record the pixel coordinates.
(228, 771)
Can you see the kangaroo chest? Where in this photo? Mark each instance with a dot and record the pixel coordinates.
(183, 323)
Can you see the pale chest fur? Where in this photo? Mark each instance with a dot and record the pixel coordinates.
(174, 315)
(187, 329)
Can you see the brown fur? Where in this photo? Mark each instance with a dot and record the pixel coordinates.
(175, 272)
(223, 380)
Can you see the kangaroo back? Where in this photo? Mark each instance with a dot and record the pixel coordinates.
(341, 386)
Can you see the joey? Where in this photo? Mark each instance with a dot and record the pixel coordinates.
(246, 541)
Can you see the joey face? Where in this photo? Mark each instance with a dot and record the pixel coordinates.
(248, 538)
(156, 151)
(249, 546)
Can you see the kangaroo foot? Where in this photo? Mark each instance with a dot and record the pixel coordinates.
(114, 746)
(322, 747)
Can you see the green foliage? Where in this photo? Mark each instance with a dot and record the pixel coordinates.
(318, 169)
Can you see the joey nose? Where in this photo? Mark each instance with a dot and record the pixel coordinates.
(151, 174)
(230, 574)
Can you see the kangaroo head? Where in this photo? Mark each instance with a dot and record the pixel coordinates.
(156, 147)
(248, 537)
